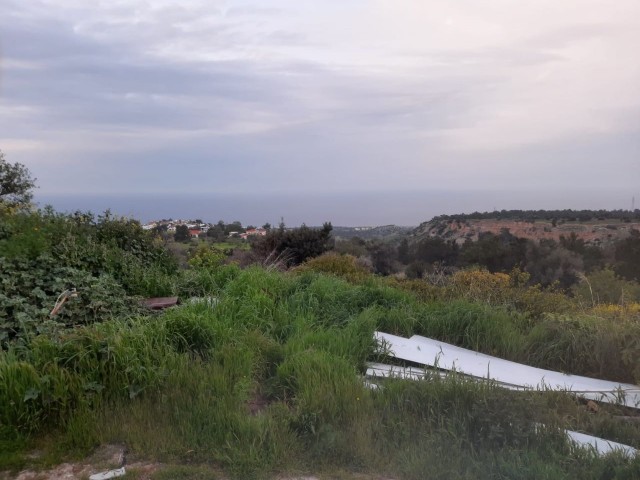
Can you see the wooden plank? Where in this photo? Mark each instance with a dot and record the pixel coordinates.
(445, 356)
(160, 303)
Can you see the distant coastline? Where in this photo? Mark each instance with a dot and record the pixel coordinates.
(345, 209)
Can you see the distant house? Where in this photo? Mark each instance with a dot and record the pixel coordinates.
(252, 232)
(194, 233)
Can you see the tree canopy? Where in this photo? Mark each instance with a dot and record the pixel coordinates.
(550, 215)
(294, 246)
(16, 184)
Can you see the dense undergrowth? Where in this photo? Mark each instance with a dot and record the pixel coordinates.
(264, 375)
(109, 260)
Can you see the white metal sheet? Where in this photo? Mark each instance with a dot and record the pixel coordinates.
(600, 445)
(445, 356)
(412, 373)
(385, 371)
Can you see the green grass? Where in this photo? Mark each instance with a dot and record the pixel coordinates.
(267, 381)
(240, 245)
(185, 472)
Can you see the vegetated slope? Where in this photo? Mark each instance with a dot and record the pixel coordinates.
(594, 230)
(366, 233)
(108, 260)
(267, 379)
(265, 376)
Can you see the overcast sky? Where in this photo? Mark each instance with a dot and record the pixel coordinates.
(303, 99)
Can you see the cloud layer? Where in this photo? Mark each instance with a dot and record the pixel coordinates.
(150, 96)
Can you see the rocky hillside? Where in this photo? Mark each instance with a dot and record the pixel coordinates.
(595, 232)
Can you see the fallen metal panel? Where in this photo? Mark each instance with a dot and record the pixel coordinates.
(371, 385)
(445, 356)
(394, 371)
(382, 370)
(600, 445)
(209, 301)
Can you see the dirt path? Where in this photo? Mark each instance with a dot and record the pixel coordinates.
(109, 457)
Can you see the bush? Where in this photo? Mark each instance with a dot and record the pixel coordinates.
(605, 287)
(109, 260)
(294, 246)
(344, 266)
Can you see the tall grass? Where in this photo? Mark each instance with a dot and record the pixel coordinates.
(267, 380)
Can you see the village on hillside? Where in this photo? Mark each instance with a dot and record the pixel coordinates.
(198, 228)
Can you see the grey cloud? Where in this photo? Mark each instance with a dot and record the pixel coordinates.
(80, 81)
(84, 81)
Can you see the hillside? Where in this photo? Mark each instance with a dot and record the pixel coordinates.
(593, 232)
(383, 231)
(258, 373)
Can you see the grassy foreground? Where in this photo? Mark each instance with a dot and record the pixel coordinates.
(267, 379)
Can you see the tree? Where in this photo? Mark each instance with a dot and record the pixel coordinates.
(182, 233)
(296, 245)
(383, 257)
(592, 256)
(431, 250)
(235, 226)
(16, 184)
(628, 257)
(498, 253)
(403, 251)
(416, 269)
(547, 262)
(354, 246)
(216, 232)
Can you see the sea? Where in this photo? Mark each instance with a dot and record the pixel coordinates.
(405, 208)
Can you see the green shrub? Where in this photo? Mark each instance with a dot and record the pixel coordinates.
(586, 345)
(604, 287)
(343, 266)
(108, 260)
(473, 326)
(267, 377)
